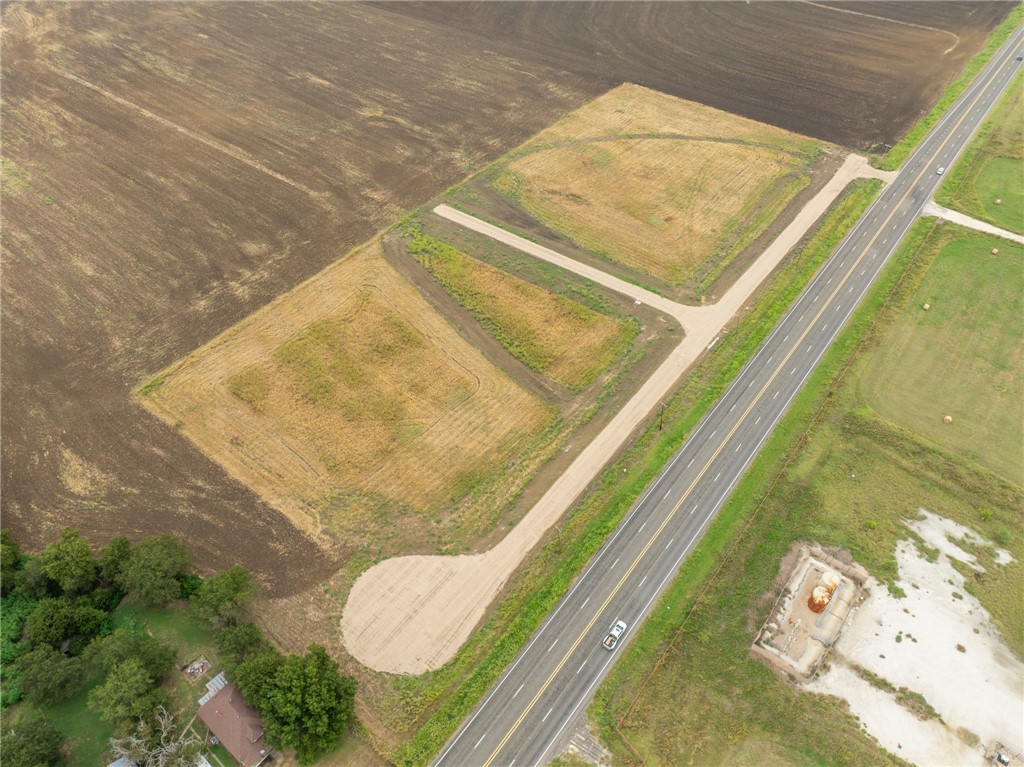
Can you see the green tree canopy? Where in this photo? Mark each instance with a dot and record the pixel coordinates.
(48, 676)
(32, 741)
(55, 621)
(149, 574)
(127, 693)
(256, 677)
(224, 598)
(33, 582)
(69, 562)
(104, 654)
(10, 562)
(310, 705)
(238, 643)
(113, 557)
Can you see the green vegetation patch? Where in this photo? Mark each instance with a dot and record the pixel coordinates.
(988, 181)
(962, 357)
(550, 333)
(835, 473)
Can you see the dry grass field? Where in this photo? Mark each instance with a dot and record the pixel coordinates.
(672, 188)
(554, 335)
(351, 406)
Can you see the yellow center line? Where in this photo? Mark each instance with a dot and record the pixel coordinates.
(725, 440)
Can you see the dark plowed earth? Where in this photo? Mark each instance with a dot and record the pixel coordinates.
(828, 71)
(169, 168)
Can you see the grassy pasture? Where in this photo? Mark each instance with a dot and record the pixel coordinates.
(672, 188)
(992, 167)
(962, 357)
(834, 472)
(552, 334)
(353, 407)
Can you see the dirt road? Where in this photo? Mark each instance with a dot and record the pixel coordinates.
(411, 614)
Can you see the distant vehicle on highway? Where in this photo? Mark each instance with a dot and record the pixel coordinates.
(1020, 58)
(940, 171)
(613, 636)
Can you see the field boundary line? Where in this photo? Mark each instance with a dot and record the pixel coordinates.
(891, 21)
(231, 151)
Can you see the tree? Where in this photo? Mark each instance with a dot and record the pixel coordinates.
(256, 677)
(310, 704)
(10, 562)
(106, 653)
(48, 676)
(238, 643)
(31, 742)
(127, 693)
(223, 599)
(55, 621)
(149, 574)
(113, 557)
(34, 583)
(69, 562)
(156, 742)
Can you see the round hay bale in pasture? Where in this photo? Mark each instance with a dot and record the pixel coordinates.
(926, 307)
(995, 251)
(998, 201)
(948, 419)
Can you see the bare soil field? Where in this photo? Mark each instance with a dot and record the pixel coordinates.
(856, 74)
(720, 181)
(180, 164)
(354, 408)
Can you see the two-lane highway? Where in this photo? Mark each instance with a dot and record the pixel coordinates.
(525, 714)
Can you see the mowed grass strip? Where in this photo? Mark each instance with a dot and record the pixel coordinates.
(963, 356)
(669, 187)
(988, 181)
(554, 335)
(833, 472)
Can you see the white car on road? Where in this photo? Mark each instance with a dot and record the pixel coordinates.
(614, 634)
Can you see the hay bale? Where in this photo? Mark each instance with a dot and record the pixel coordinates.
(995, 251)
(998, 201)
(948, 419)
(926, 307)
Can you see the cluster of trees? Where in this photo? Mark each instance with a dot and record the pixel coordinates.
(306, 704)
(62, 635)
(58, 639)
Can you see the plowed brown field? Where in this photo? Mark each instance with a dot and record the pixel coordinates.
(179, 165)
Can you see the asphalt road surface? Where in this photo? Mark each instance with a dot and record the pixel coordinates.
(525, 715)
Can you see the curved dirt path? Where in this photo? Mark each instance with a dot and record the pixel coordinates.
(411, 614)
